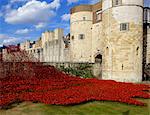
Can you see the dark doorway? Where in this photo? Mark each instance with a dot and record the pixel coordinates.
(98, 59)
(98, 66)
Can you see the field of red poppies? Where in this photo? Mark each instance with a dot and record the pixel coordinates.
(45, 84)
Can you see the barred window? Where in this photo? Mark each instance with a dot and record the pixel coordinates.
(81, 36)
(124, 26)
(117, 2)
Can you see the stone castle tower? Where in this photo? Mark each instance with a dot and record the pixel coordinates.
(123, 39)
(111, 30)
(81, 34)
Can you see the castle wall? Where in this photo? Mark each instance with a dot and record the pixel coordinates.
(47, 36)
(53, 46)
(97, 40)
(53, 51)
(122, 51)
(109, 3)
(148, 46)
(66, 55)
(48, 48)
(61, 54)
(25, 45)
(133, 2)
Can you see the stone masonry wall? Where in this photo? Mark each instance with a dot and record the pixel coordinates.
(148, 45)
(122, 51)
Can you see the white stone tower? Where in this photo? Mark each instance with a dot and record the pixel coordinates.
(123, 40)
(81, 33)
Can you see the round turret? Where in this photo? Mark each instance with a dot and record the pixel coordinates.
(81, 34)
(123, 39)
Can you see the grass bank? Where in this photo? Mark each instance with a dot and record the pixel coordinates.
(89, 108)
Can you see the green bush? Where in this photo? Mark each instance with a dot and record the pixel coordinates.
(83, 70)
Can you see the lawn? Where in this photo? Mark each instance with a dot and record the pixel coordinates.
(89, 108)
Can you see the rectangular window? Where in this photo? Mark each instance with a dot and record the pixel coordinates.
(81, 36)
(84, 18)
(117, 2)
(72, 37)
(124, 26)
(99, 15)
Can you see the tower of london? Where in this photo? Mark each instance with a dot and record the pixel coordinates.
(114, 34)
(111, 30)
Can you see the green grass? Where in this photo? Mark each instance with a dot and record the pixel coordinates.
(90, 108)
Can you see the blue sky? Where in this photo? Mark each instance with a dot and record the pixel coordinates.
(27, 19)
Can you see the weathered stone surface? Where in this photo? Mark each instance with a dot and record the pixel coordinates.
(122, 57)
(148, 46)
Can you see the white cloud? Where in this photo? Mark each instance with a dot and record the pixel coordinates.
(40, 25)
(23, 31)
(6, 8)
(55, 4)
(65, 17)
(8, 40)
(72, 1)
(33, 12)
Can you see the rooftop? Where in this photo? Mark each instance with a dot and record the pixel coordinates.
(86, 7)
